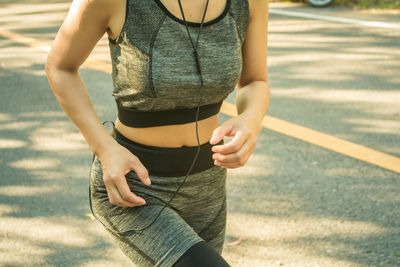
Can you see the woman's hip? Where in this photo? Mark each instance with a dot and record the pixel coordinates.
(169, 161)
(198, 193)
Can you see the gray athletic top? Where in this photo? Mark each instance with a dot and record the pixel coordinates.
(153, 70)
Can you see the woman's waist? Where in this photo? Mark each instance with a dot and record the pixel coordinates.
(174, 136)
(169, 161)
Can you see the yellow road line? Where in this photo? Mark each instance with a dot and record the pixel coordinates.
(324, 140)
(18, 38)
(31, 42)
(287, 128)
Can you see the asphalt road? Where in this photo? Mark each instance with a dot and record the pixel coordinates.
(293, 204)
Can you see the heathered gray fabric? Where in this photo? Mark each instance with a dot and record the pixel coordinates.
(153, 67)
(198, 212)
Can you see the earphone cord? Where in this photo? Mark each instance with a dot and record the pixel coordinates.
(197, 114)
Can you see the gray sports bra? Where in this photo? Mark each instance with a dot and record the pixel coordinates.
(154, 74)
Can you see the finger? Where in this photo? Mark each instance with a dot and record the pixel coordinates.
(233, 146)
(115, 198)
(141, 171)
(228, 165)
(137, 166)
(219, 133)
(237, 157)
(126, 193)
(231, 164)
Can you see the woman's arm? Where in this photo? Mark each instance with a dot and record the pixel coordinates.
(253, 92)
(252, 97)
(85, 24)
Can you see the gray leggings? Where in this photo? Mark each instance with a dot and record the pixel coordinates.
(196, 213)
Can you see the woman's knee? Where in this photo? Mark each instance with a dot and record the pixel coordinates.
(199, 255)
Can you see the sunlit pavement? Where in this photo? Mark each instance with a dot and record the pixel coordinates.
(293, 204)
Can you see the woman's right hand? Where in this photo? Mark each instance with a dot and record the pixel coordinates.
(85, 24)
(116, 162)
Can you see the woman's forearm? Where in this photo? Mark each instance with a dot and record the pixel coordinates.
(72, 94)
(252, 101)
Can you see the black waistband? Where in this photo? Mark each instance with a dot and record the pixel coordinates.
(142, 119)
(169, 161)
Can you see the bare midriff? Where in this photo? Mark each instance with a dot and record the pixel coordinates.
(176, 135)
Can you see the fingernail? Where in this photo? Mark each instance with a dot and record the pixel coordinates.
(148, 182)
(213, 139)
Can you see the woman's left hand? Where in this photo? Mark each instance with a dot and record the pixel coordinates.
(235, 153)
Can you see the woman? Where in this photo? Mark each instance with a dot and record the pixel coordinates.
(158, 180)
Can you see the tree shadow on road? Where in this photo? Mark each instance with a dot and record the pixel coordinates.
(45, 166)
(293, 202)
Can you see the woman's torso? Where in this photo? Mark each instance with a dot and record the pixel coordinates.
(179, 134)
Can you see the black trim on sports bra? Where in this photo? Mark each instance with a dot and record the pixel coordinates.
(141, 119)
(191, 23)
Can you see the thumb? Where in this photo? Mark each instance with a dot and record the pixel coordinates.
(219, 133)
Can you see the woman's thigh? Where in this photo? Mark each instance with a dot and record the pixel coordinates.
(196, 213)
(206, 208)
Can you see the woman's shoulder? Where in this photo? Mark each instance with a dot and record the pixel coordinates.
(98, 9)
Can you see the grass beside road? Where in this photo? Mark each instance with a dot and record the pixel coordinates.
(391, 4)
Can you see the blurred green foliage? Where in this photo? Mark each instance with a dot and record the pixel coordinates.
(370, 3)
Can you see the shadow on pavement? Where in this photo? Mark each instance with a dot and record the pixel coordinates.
(293, 202)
